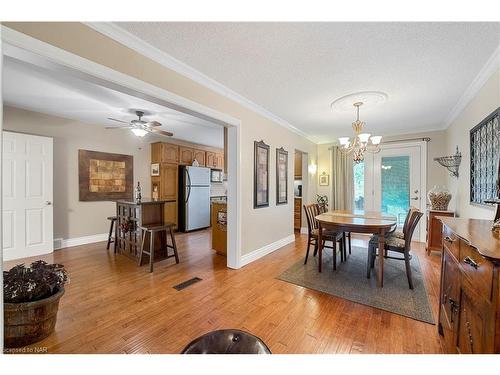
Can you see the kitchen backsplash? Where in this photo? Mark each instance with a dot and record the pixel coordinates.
(218, 189)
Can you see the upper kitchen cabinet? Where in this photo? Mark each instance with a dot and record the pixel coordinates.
(219, 161)
(164, 153)
(199, 155)
(211, 160)
(186, 155)
(298, 165)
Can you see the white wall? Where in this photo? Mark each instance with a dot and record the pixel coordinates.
(457, 134)
(72, 218)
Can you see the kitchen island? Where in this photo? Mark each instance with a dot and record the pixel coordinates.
(130, 215)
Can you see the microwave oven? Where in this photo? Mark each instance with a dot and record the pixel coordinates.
(216, 175)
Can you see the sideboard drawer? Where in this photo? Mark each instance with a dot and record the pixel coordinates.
(478, 270)
(451, 241)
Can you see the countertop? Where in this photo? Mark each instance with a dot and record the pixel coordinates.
(145, 201)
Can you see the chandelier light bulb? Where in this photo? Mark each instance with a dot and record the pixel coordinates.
(363, 137)
(376, 139)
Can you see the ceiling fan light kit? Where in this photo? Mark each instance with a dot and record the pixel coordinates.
(140, 127)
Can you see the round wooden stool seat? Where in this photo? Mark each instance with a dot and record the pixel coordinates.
(227, 341)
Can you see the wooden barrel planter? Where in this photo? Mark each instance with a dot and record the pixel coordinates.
(28, 322)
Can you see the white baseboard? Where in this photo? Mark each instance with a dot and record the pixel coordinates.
(259, 253)
(69, 242)
(304, 230)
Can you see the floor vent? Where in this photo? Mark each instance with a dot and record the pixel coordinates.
(187, 283)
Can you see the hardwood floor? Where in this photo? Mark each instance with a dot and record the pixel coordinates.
(112, 306)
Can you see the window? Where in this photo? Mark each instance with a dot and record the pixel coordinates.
(484, 158)
(359, 186)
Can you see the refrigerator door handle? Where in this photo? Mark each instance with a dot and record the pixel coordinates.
(188, 185)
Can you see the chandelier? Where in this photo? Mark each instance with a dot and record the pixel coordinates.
(362, 142)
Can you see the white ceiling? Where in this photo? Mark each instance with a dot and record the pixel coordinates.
(295, 70)
(53, 92)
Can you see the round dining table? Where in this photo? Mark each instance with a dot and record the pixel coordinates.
(357, 221)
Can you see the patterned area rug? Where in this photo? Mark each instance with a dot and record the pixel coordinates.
(349, 281)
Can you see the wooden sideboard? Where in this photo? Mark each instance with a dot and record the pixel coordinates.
(435, 229)
(469, 308)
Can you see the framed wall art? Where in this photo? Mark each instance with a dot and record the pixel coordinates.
(155, 169)
(261, 175)
(324, 179)
(105, 177)
(281, 176)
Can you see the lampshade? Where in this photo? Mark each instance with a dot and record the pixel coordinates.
(376, 139)
(363, 137)
(344, 140)
(139, 132)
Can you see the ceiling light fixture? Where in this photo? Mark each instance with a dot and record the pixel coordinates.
(362, 142)
(139, 132)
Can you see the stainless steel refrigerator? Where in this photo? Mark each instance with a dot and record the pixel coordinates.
(194, 198)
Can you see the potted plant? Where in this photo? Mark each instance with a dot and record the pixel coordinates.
(31, 301)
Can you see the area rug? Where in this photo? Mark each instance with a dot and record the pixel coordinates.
(349, 282)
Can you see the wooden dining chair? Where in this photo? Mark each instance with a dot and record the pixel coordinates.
(312, 210)
(396, 244)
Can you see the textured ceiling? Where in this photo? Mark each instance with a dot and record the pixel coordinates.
(53, 92)
(295, 70)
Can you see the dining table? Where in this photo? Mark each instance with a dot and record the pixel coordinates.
(357, 221)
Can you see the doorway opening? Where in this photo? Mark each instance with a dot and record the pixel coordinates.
(31, 51)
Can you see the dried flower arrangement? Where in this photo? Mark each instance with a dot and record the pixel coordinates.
(33, 283)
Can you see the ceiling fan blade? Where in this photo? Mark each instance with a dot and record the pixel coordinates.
(158, 131)
(113, 119)
(119, 127)
(153, 124)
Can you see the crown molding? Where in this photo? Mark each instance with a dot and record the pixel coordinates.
(491, 66)
(131, 41)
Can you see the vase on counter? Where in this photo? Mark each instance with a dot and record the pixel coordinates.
(439, 197)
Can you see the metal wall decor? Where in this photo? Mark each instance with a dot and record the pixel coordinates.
(451, 162)
(484, 159)
(261, 175)
(281, 176)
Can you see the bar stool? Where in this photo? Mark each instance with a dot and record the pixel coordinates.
(152, 230)
(111, 238)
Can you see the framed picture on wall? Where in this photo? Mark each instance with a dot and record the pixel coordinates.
(281, 176)
(155, 169)
(261, 175)
(324, 179)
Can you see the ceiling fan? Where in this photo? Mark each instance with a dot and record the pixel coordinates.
(140, 127)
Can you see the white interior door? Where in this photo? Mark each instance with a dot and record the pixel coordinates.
(395, 180)
(27, 175)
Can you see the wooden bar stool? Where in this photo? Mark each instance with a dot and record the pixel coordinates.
(111, 238)
(152, 230)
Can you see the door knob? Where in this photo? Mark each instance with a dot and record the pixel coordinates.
(48, 203)
(415, 198)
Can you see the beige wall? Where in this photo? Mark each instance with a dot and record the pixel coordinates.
(259, 227)
(457, 134)
(72, 218)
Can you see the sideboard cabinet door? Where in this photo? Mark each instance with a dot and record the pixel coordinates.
(450, 300)
(476, 328)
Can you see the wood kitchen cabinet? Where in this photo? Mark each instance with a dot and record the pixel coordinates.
(469, 308)
(164, 152)
(210, 159)
(186, 155)
(170, 213)
(199, 155)
(297, 216)
(298, 165)
(168, 180)
(219, 161)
